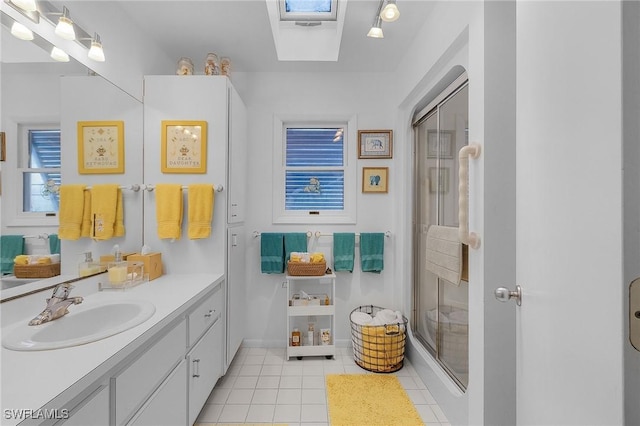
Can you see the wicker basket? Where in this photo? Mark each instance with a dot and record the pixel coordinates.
(306, 269)
(36, 271)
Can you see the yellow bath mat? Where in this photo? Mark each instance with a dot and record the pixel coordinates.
(369, 399)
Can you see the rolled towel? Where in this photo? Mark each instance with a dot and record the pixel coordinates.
(22, 259)
(317, 257)
(361, 318)
(44, 260)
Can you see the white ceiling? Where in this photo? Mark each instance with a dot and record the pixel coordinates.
(241, 30)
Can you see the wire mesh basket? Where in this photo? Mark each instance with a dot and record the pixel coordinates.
(378, 348)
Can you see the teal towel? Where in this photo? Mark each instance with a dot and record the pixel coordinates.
(272, 253)
(10, 247)
(54, 244)
(372, 252)
(344, 245)
(294, 241)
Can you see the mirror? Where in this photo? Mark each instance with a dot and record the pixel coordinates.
(37, 89)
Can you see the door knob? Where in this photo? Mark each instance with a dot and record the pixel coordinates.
(504, 294)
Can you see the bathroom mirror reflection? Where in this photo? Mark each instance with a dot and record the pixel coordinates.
(39, 129)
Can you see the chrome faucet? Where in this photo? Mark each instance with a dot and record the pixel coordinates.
(57, 305)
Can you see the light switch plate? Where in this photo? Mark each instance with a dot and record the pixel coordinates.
(634, 313)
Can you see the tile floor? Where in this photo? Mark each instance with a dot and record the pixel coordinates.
(262, 386)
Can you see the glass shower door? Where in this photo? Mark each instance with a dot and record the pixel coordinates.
(440, 306)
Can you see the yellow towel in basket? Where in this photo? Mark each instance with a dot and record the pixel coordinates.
(71, 210)
(169, 210)
(21, 259)
(104, 199)
(200, 205)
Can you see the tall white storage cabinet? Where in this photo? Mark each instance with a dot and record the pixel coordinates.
(212, 99)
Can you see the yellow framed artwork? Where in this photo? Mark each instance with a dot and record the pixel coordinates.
(100, 147)
(375, 179)
(184, 147)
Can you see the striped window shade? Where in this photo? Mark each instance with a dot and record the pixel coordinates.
(314, 168)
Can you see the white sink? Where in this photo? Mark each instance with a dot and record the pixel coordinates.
(85, 323)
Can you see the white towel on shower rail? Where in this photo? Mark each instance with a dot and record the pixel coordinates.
(444, 253)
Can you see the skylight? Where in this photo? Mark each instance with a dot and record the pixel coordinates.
(308, 10)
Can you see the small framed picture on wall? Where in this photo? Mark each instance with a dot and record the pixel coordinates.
(100, 147)
(375, 143)
(375, 179)
(184, 147)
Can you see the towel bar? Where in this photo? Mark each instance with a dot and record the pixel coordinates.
(319, 234)
(145, 187)
(470, 238)
(134, 187)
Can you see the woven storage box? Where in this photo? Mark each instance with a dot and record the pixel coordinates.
(306, 268)
(36, 271)
(378, 348)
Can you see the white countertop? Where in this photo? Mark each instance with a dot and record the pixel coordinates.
(30, 380)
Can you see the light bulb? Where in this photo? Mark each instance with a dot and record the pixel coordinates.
(375, 32)
(96, 53)
(20, 31)
(26, 5)
(65, 26)
(390, 12)
(59, 54)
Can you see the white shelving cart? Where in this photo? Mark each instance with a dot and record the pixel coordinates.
(324, 314)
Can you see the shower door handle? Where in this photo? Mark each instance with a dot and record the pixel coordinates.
(504, 294)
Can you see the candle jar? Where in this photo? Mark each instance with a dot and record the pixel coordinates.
(211, 66)
(185, 66)
(225, 66)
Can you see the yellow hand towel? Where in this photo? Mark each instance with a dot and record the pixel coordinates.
(44, 261)
(71, 210)
(85, 230)
(118, 228)
(104, 199)
(200, 214)
(21, 259)
(317, 257)
(169, 210)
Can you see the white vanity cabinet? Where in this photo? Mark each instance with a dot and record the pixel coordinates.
(165, 407)
(131, 387)
(205, 351)
(92, 410)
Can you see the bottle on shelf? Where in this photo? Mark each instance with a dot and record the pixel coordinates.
(295, 337)
(310, 334)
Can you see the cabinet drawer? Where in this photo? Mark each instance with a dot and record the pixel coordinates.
(134, 384)
(201, 318)
(168, 405)
(205, 368)
(93, 410)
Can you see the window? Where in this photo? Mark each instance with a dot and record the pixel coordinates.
(313, 181)
(39, 166)
(308, 10)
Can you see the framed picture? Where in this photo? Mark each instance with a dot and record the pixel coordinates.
(184, 147)
(3, 147)
(375, 179)
(375, 143)
(100, 147)
(439, 185)
(447, 144)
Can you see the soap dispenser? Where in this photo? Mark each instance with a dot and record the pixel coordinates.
(88, 266)
(117, 270)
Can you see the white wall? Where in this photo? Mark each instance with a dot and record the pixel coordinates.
(316, 95)
(30, 95)
(95, 99)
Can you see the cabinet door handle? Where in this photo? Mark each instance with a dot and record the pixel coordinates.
(196, 368)
(210, 313)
